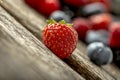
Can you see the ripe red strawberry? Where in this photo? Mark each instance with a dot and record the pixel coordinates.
(46, 7)
(60, 38)
(100, 21)
(114, 34)
(81, 25)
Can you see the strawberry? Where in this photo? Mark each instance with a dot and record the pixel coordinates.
(100, 21)
(81, 25)
(60, 38)
(46, 7)
(114, 29)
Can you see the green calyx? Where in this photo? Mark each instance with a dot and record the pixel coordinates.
(69, 24)
(62, 22)
(52, 21)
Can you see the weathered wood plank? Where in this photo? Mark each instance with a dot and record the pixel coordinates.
(113, 70)
(35, 23)
(24, 57)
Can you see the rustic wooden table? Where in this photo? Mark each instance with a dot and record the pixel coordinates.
(23, 56)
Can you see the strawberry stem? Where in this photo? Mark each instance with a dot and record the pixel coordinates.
(51, 21)
(69, 24)
(62, 22)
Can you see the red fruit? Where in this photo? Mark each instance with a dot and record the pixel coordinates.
(100, 21)
(76, 3)
(114, 34)
(114, 26)
(46, 7)
(60, 38)
(81, 25)
(31, 3)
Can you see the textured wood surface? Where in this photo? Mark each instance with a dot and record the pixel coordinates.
(24, 57)
(35, 23)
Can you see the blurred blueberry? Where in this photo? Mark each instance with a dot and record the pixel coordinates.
(67, 10)
(60, 15)
(99, 53)
(93, 8)
(97, 36)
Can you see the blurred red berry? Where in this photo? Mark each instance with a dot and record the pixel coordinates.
(46, 7)
(81, 25)
(114, 34)
(100, 21)
(114, 26)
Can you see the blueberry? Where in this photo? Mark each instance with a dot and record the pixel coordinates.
(60, 15)
(93, 8)
(99, 53)
(67, 10)
(97, 36)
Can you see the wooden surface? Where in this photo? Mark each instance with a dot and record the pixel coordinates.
(35, 23)
(24, 57)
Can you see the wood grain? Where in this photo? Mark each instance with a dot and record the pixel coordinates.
(35, 23)
(24, 57)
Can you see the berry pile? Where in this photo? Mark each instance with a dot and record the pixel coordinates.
(95, 21)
